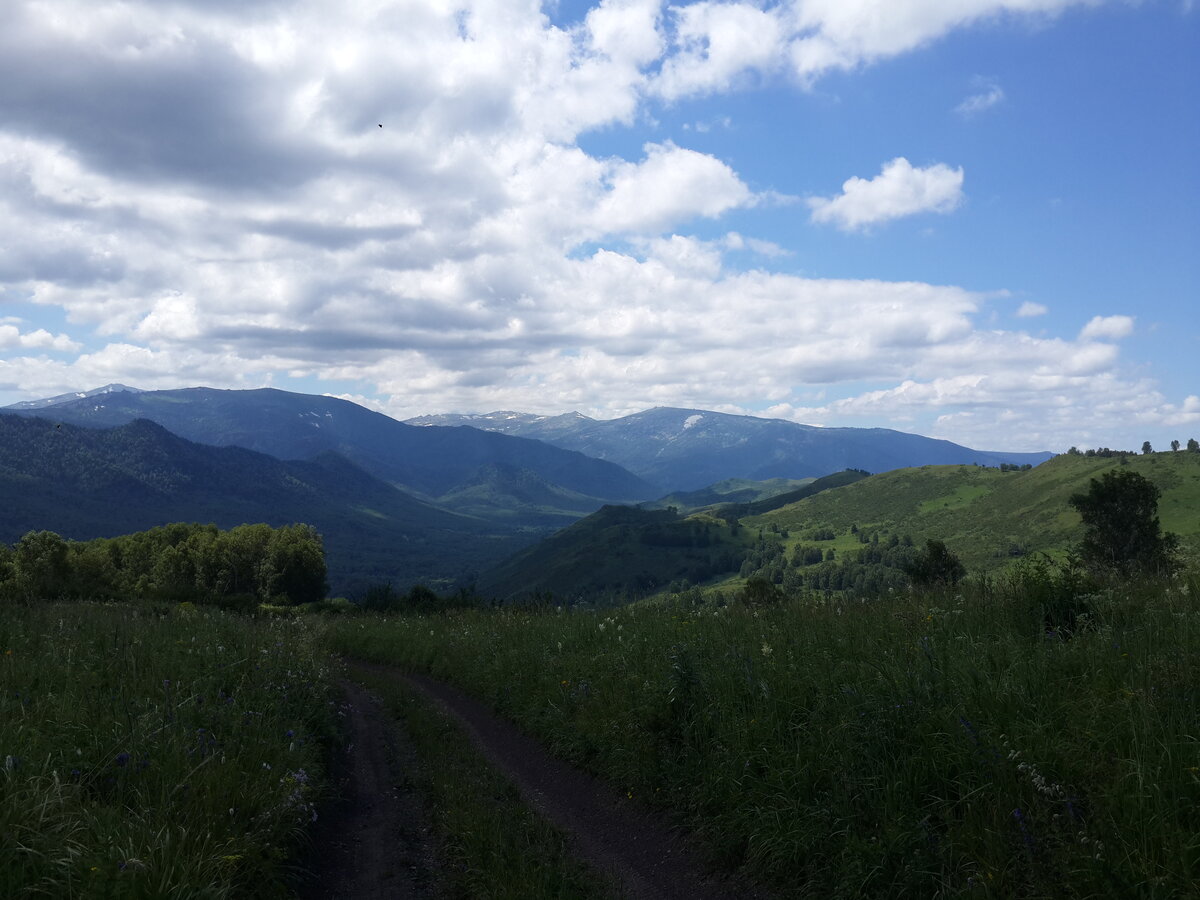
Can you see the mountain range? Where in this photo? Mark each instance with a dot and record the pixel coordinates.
(85, 483)
(689, 449)
(515, 479)
(436, 498)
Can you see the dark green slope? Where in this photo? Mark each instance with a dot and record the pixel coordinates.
(85, 483)
(431, 461)
(621, 553)
(731, 490)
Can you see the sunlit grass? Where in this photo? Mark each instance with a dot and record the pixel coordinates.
(154, 753)
(940, 745)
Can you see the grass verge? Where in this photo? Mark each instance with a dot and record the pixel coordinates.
(155, 752)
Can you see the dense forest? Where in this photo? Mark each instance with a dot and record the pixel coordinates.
(240, 567)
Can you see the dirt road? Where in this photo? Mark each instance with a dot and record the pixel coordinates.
(377, 843)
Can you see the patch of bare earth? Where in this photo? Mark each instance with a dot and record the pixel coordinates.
(374, 841)
(620, 837)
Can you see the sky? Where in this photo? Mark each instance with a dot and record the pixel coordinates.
(972, 219)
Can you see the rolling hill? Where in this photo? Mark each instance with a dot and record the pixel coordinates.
(689, 449)
(85, 483)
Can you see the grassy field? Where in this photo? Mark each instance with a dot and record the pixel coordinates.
(154, 752)
(924, 745)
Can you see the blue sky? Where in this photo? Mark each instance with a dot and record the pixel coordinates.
(974, 219)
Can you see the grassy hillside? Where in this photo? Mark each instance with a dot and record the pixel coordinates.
(986, 516)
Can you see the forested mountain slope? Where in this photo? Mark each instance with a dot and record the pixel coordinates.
(428, 461)
(85, 483)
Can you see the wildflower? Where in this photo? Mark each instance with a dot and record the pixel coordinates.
(8, 653)
(601, 626)
(122, 759)
(766, 649)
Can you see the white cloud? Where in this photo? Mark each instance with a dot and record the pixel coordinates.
(989, 95)
(1107, 328)
(204, 192)
(716, 43)
(12, 338)
(1029, 310)
(898, 190)
(671, 185)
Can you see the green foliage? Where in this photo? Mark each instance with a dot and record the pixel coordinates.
(935, 565)
(179, 562)
(760, 592)
(144, 755)
(1121, 529)
(871, 749)
(39, 567)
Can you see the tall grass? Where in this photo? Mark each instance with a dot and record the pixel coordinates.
(152, 754)
(936, 745)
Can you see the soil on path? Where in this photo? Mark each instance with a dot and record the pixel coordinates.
(375, 841)
(622, 838)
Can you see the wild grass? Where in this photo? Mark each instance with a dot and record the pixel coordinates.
(155, 752)
(495, 846)
(937, 745)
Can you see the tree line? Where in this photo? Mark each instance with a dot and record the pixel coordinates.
(239, 567)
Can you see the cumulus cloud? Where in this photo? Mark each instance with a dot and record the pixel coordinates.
(11, 338)
(1029, 310)
(203, 192)
(1102, 328)
(899, 190)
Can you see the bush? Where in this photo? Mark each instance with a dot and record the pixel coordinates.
(935, 565)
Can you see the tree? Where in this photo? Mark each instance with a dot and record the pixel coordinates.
(760, 592)
(935, 565)
(1175, 446)
(40, 567)
(1193, 445)
(1121, 531)
(1146, 448)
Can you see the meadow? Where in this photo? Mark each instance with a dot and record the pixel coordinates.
(156, 750)
(1006, 739)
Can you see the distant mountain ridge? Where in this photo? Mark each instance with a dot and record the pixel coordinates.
(67, 398)
(430, 462)
(688, 449)
(85, 483)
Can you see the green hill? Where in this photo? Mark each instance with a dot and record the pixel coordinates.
(851, 531)
(986, 516)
